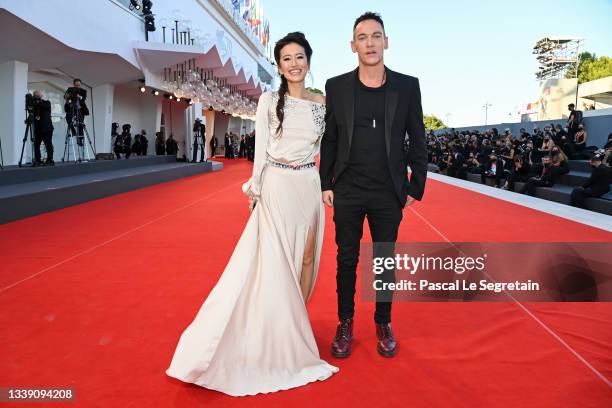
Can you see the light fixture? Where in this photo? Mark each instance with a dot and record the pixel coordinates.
(142, 89)
(134, 5)
(156, 92)
(171, 97)
(177, 99)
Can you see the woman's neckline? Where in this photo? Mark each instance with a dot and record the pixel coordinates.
(305, 100)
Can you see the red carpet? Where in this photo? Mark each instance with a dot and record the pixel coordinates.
(95, 297)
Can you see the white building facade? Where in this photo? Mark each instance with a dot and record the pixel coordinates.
(216, 65)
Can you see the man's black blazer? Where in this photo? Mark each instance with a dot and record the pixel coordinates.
(403, 122)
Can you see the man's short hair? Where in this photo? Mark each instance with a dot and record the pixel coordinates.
(571, 105)
(74, 81)
(369, 15)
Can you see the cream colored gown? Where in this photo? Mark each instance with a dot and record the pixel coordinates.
(252, 334)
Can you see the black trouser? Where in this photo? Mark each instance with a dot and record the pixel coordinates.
(122, 149)
(512, 178)
(384, 212)
(498, 176)
(45, 137)
(579, 196)
(532, 183)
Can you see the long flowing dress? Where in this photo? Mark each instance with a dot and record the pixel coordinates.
(252, 334)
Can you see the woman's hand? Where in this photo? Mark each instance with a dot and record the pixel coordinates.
(252, 202)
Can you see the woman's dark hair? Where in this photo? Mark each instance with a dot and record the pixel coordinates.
(291, 38)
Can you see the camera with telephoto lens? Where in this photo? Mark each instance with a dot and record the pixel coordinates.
(32, 105)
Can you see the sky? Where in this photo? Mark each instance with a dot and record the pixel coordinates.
(465, 53)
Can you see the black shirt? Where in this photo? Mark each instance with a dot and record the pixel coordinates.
(368, 164)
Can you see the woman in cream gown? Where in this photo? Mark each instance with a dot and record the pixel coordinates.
(252, 334)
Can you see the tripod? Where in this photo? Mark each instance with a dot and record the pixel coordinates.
(77, 125)
(29, 130)
(198, 143)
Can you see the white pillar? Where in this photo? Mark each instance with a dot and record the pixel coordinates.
(150, 119)
(13, 87)
(102, 101)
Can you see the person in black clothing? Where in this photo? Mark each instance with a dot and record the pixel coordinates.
(251, 147)
(473, 165)
(574, 119)
(494, 170)
(213, 146)
(160, 144)
(519, 172)
(137, 146)
(141, 144)
(457, 167)
(199, 136)
(76, 108)
(553, 167)
(144, 143)
(241, 149)
(228, 146)
(597, 185)
(171, 146)
(43, 128)
(364, 158)
(114, 133)
(123, 142)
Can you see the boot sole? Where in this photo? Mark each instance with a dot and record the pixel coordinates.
(340, 355)
(387, 354)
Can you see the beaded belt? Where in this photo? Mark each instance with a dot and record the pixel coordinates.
(292, 166)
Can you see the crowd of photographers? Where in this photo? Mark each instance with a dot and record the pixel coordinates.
(536, 159)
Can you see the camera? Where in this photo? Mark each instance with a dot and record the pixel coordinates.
(32, 101)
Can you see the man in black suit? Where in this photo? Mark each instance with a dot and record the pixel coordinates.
(43, 128)
(374, 130)
(76, 108)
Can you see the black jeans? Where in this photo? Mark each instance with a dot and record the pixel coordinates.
(384, 212)
(46, 138)
(532, 183)
(579, 196)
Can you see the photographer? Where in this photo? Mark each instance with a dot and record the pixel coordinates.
(114, 133)
(123, 142)
(144, 143)
(213, 145)
(160, 144)
(171, 146)
(76, 108)
(43, 127)
(199, 135)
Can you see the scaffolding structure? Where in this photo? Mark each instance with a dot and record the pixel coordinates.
(556, 55)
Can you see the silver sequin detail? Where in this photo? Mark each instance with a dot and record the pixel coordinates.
(318, 114)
